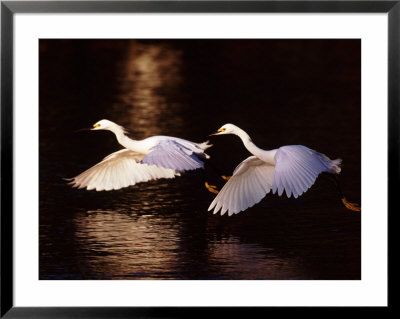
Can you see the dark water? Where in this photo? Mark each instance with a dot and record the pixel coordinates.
(281, 92)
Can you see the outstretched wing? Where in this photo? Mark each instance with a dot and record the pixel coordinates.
(250, 182)
(171, 154)
(118, 170)
(297, 167)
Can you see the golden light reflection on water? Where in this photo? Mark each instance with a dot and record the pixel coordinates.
(150, 72)
(251, 261)
(121, 245)
(132, 245)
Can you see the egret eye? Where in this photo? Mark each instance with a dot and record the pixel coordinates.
(96, 125)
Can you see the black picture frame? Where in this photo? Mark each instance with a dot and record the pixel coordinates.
(9, 8)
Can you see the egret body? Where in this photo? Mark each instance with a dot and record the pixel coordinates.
(292, 169)
(140, 160)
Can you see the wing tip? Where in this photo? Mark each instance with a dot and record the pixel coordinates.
(205, 145)
(336, 169)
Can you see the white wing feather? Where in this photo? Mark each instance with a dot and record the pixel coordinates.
(295, 171)
(250, 182)
(118, 170)
(297, 167)
(172, 154)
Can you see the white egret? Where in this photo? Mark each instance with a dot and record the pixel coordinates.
(291, 168)
(140, 161)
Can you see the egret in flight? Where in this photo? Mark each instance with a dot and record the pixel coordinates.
(140, 161)
(293, 169)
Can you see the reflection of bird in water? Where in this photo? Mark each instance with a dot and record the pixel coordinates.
(291, 168)
(141, 161)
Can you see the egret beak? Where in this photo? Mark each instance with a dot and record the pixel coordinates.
(83, 129)
(217, 132)
(88, 128)
(95, 126)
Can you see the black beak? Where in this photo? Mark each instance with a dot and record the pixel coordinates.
(83, 129)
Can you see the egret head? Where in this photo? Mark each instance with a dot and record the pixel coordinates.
(103, 125)
(226, 129)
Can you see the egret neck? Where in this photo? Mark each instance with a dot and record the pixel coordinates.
(125, 141)
(266, 156)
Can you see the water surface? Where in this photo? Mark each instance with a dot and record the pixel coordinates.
(281, 92)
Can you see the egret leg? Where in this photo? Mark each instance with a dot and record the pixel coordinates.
(351, 206)
(212, 188)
